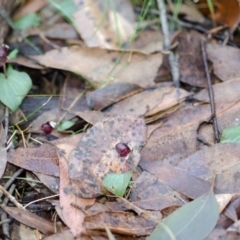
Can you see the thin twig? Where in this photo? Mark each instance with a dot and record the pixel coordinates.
(11, 180)
(10, 197)
(6, 121)
(173, 59)
(5, 226)
(210, 93)
(39, 200)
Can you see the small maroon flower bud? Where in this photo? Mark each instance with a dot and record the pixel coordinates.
(122, 149)
(46, 128)
(3, 54)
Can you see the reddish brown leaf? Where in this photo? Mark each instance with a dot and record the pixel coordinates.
(42, 160)
(30, 219)
(226, 12)
(95, 155)
(123, 223)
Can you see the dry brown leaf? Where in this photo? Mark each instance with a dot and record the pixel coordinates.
(225, 92)
(192, 13)
(176, 138)
(149, 41)
(141, 103)
(64, 235)
(122, 223)
(178, 179)
(51, 182)
(30, 219)
(56, 31)
(190, 59)
(110, 94)
(26, 62)
(95, 156)
(30, 7)
(151, 194)
(223, 200)
(42, 160)
(91, 117)
(99, 65)
(220, 159)
(71, 216)
(225, 61)
(169, 100)
(95, 31)
(121, 27)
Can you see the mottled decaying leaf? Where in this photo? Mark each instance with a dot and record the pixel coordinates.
(110, 94)
(95, 156)
(225, 61)
(101, 65)
(124, 223)
(71, 216)
(30, 219)
(195, 220)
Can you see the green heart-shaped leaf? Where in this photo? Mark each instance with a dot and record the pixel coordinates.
(117, 183)
(14, 88)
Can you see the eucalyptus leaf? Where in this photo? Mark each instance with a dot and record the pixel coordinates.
(27, 21)
(14, 88)
(195, 220)
(231, 134)
(117, 183)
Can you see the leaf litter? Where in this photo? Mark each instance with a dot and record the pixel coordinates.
(111, 86)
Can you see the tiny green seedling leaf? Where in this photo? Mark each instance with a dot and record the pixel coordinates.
(231, 134)
(27, 21)
(14, 88)
(195, 220)
(13, 54)
(117, 183)
(63, 126)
